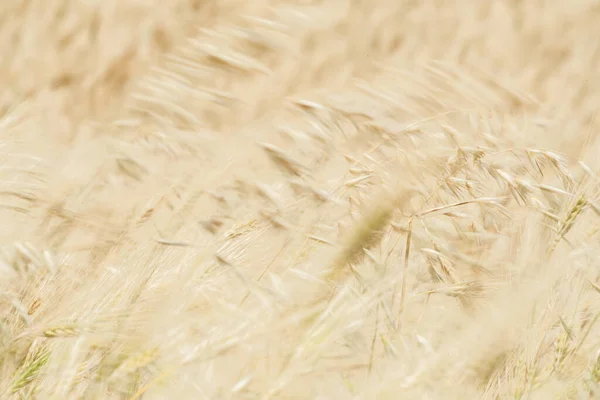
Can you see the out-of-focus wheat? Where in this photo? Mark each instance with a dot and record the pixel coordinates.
(284, 199)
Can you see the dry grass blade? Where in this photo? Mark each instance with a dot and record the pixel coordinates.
(596, 287)
(405, 265)
(366, 234)
(493, 201)
(356, 181)
(174, 243)
(283, 160)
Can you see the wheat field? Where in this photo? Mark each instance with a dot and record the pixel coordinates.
(300, 199)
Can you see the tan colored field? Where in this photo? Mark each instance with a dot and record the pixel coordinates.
(287, 199)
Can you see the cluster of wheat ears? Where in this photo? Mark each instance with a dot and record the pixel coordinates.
(299, 199)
